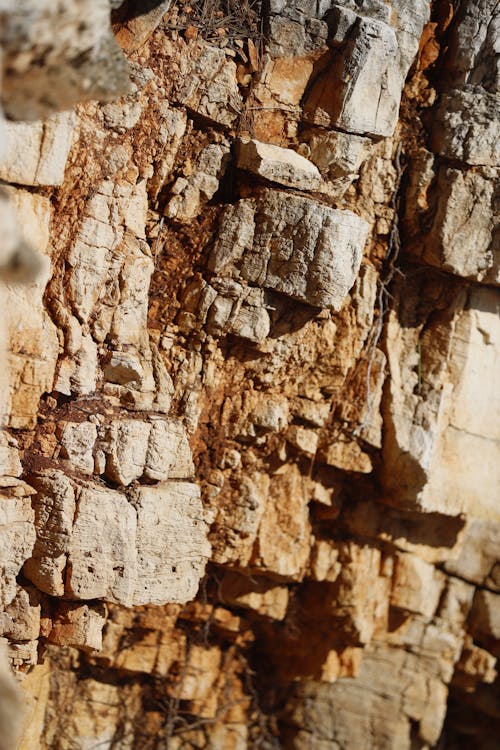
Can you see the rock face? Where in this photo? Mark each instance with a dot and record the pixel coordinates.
(249, 447)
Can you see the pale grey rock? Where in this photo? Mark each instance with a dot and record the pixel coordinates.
(416, 585)
(189, 194)
(360, 92)
(81, 61)
(168, 454)
(281, 165)
(236, 234)
(102, 553)
(436, 433)
(467, 126)
(300, 248)
(77, 443)
(210, 89)
(17, 539)
(271, 413)
(463, 237)
(96, 543)
(36, 152)
(238, 310)
(55, 508)
(126, 444)
(157, 450)
(361, 89)
(171, 560)
(337, 155)
(473, 54)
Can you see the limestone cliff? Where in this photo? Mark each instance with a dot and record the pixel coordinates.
(249, 458)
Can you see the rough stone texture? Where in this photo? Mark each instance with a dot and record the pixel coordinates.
(467, 126)
(249, 449)
(123, 563)
(35, 153)
(293, 245)
(81, 61)
(279, 165)
(455, 415)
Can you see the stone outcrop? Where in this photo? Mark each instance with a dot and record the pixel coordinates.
(249, 456)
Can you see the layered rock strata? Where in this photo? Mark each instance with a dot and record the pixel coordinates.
(249, 451)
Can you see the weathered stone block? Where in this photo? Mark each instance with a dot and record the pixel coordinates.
(467, 126)
(281, 165)
(35, 153)
(293, 245)
(435, 438)
(17, 536)
(80, 62)
(171, 561)
(211, 89)
(97, 543)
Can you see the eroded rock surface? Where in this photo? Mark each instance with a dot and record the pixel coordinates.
(249, 458)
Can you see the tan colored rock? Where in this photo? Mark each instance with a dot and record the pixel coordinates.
(238, 519)
(137, 29)
(152, 651)
(303, 439)
(259, 595)
(478, 558)
(31, 336)
(280, 165)
(18, 537)
(21, 619)
(367, 710)
(284, 534)
(202, 669)
(325, 564)
(485, 620)
(79, 626)
(36, 153)
(476, 665)
(77, 442)
(347, 455)
(416, 585)
(10, 463)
